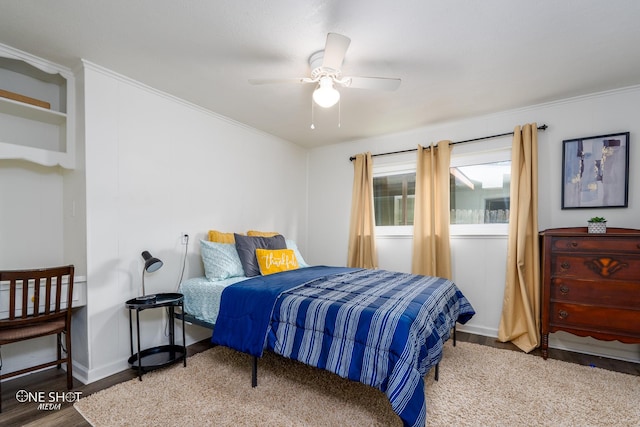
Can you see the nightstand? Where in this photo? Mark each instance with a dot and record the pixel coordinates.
(163, 355)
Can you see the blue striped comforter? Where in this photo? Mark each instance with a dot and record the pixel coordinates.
(385, 329)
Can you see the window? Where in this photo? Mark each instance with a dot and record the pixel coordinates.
(393, 198)
(480, 193)
(480, 199)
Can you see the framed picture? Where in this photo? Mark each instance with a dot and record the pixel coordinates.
(595, 172)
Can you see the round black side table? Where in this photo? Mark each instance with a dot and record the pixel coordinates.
(163, 355)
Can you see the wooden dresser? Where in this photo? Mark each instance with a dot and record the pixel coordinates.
(591, 284)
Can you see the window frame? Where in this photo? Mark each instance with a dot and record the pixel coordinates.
(479, 158)
(460, 156)
(396, 168)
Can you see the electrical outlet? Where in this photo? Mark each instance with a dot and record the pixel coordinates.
(184, 238)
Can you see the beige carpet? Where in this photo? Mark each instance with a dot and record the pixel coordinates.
(479, 386)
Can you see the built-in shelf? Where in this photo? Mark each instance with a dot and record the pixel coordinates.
(28, 132)
(31, 112)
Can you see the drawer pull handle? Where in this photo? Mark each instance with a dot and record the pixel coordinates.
(574, 244)
(563, 314)
(565, 265)
(564, 289)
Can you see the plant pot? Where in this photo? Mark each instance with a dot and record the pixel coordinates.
(597, 227)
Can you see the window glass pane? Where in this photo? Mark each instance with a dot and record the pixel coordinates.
(480, 193)
(393, 198)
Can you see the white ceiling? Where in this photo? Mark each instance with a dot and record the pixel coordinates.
(456, 58)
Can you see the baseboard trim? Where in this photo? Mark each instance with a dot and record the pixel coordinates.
(567, 342)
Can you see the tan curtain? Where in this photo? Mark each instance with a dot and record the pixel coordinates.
(362, 242)
(431, 250)
(520, 321)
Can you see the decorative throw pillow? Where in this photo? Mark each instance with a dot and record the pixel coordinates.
(291, 244)
(274, 261)
(221, 260)
(220, 237)
(262, 233)
(246, 247)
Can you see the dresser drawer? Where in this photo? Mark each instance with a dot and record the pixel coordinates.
(603, 293)
(596, 266)
(596, 244)
(598, 319)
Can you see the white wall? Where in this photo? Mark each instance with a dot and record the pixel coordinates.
(479, 263)
(30, 215)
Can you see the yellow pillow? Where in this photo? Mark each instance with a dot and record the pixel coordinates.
(262, 233)
(219, 237)
(276, 260)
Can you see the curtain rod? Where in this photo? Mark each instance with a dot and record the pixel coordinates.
(542, 127)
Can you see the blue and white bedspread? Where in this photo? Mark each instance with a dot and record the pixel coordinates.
(384, 329)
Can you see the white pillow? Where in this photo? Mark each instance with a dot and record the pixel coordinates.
(292, 245)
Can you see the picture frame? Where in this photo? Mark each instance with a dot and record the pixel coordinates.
(595, 172)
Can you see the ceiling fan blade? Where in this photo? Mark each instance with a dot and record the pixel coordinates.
(335, 50)
(289, 80)
(377, 83)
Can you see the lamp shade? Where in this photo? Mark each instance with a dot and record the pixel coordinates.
(151, 263)
(326, 95)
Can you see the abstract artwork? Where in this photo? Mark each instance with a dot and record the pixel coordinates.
(595, 171)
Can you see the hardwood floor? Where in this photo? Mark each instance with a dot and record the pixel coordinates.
(566, 356)
(53, 380)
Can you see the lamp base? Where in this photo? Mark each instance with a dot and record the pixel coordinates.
(146, 298)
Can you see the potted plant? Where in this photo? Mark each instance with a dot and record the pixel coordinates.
(597, 224)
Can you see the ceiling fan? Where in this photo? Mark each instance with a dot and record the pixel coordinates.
(327, 74)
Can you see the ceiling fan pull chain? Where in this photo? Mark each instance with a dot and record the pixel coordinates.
(312, 110)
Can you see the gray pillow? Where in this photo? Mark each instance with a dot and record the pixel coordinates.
(247, 245)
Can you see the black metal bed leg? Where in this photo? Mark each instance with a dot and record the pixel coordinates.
(454, 334)
(437, 368)
(254, 372)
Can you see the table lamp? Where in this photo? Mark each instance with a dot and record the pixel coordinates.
(151, 264)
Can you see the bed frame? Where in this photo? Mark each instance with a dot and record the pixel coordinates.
(188, 318)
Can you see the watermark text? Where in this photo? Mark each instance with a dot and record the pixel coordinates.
(48, 401)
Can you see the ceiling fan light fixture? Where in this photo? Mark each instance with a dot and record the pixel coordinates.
(326, 95)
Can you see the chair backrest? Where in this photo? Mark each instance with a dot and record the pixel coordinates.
(36, 295)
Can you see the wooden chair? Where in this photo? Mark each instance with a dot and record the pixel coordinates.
(36, 309)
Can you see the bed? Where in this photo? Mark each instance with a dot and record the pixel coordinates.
(382, 328)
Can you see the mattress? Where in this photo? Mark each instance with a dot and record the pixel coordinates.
(202, 296)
